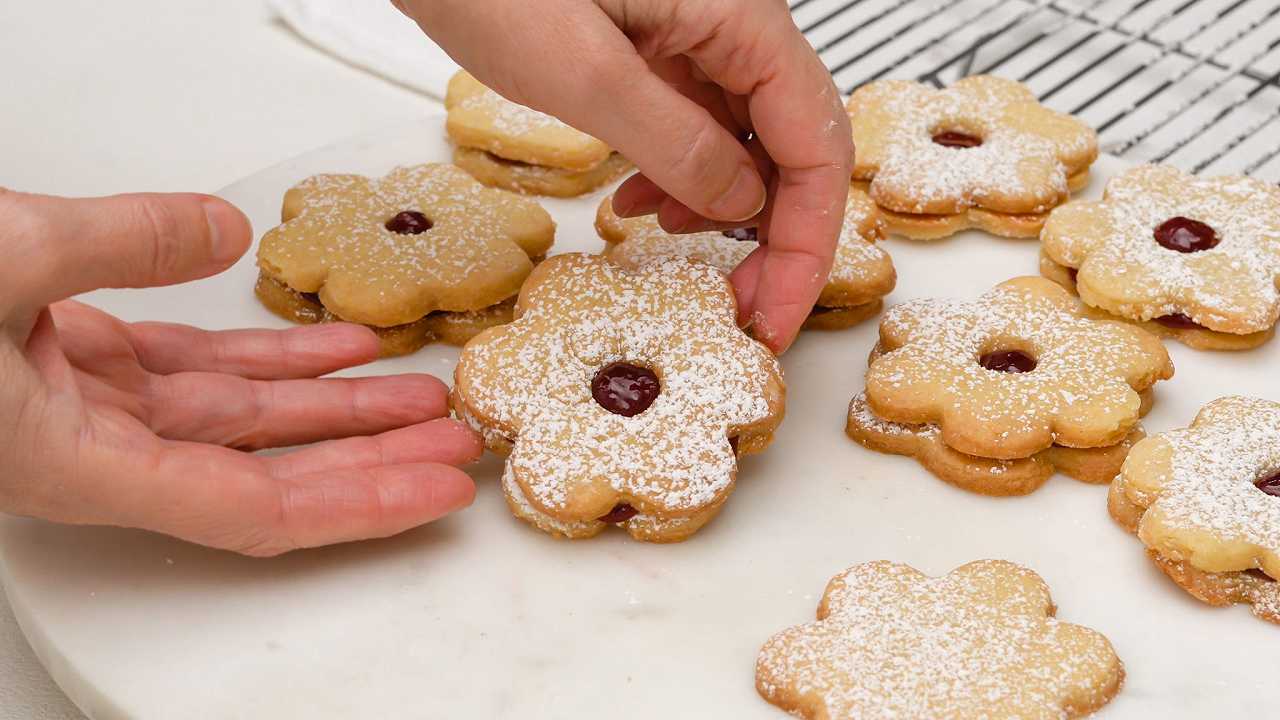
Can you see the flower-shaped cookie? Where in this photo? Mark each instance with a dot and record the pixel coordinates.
(482, 119)
(980, 642)
(1207, 498)
(621, 395)
(1167, 246)
(1014, 372)
(861, 272)
(983, 475)
(388, 251)
(982, 144)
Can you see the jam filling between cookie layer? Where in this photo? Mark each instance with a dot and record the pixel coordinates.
(956, 139)
(1269, 485)
(741, 234)
(620, 513)
(1186, 235)
(1008, 361)
(1178, 321)
(1259, 574)
(625, 389)
(409, 222)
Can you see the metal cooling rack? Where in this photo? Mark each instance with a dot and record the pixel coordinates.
(1195, 83)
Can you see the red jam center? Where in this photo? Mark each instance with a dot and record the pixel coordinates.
(743, 234)
(625, 389)
(409, 222)
(1074, 274)
(953, 139)
(620, 513)
(1259, 574)
(1177, 321)
(1008, 361)
(1186, 235)
(1269, 485)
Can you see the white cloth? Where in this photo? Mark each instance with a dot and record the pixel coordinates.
(374, 36)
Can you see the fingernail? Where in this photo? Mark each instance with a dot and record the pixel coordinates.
(623, 209)
(228, 231)
(746, 192)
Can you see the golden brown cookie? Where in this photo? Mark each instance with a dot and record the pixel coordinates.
(1205, 500)
(622, 396)
(1184, 251)
(1171, 327)
(482, 119)
(535, 179)
(861, 272)
(451, 328)
(1015, 372)
(982, 475)
(980, 642)
(388, 252)
(982, 153)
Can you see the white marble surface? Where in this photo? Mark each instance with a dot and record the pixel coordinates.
(479, 616)
(142, 95)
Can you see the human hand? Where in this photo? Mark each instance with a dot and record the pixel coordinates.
(145, 425)
(676, 86)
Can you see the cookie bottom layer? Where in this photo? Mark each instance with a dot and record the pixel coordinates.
(841, 318)
(985, 476)
(520, 177)
(1252, 588)
(453, 328)
(1199, 338)
(647, 528)
(935, 227)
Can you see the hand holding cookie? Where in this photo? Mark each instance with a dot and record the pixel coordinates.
(143, 425)
(676, 88)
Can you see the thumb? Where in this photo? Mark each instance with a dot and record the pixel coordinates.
(62, 247)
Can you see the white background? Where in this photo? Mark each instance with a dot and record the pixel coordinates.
(101, 98)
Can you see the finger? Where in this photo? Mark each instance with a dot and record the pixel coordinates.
(301, 352)
(227, 499)
(254, 414)
(673, 141)
(636, 196)
(798, 118)
(65, 247)
(444, 441)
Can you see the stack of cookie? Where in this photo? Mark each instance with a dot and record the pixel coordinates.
(1193, 259)
(423, 254)
(996, 395)
(509, 146)
(861, 274)
(982, 153)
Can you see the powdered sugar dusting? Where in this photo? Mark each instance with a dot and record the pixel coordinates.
(1208, 505)
(979, 642)
(1233, 287)
(1022, 166)
(572, 458)
(1083, 391)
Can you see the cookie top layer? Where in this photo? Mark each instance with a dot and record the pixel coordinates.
(906, 136)
(472, 251)
(1200, 488)
(1015, 371)
(1228, 282)
(979, 642)
(532, 382)
(861, 272)
(482, 119)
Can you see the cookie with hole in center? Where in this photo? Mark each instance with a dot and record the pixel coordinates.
(622, 397)
(982, 153)
(1205, 500)
(861, 273)
(392, 252)
(1197, 257)
(1013, 373)
(979, 642)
